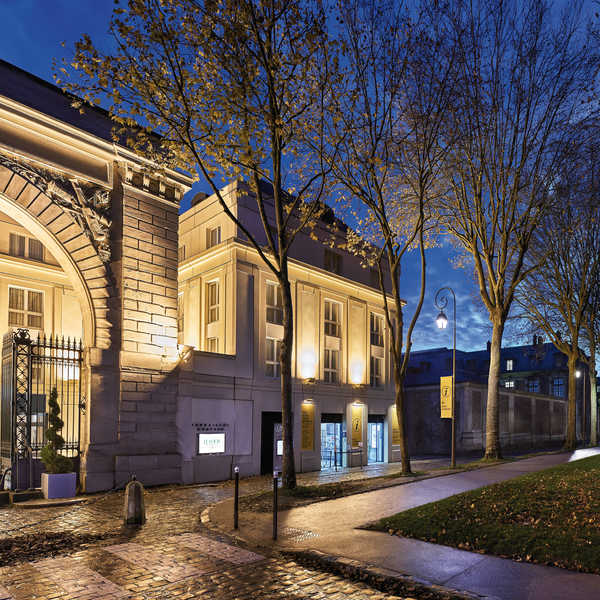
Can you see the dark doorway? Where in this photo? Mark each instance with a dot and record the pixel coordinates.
(375, 438)
(333, 441)
(271, 444)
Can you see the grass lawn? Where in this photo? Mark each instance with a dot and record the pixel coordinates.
(550, 517)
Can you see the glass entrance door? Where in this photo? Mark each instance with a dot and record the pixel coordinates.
(375, 441)
(332, 445)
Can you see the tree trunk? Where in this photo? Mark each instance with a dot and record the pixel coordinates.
(571, 439)
(593, 399)
(288, 477)
(492, 423)
(400, 404)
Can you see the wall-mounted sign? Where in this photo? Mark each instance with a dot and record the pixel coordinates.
(279, 447)
(308, 426)
(446, 397)
(395, 428)
(357, 421)
(211, 443)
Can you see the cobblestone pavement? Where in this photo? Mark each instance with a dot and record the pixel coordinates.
(171, 556)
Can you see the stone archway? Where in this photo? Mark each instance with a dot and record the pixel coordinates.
(64, 220)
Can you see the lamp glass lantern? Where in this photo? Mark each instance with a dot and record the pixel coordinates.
(442, 320)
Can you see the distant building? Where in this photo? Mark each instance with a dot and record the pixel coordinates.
(533, 397)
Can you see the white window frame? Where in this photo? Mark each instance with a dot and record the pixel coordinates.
(27, 253)
(378, 334)
(558, 383)
(212, 310)
(376, 368)
(209, 342)
(272, 364)
(213, 236)
(332, 327)
(509, 383)
(274, 309)
(331, 374)
(25, 311)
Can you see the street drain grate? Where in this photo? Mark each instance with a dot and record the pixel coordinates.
(296, 535)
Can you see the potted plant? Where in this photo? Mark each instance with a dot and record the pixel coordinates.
(59, 480)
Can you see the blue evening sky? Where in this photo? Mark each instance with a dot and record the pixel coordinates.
(32, 32)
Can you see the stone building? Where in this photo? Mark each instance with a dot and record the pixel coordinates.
(88, 247)
(231, 319)
(533, 398)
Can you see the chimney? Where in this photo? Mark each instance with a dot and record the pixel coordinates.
(199, 197)
(489, 345)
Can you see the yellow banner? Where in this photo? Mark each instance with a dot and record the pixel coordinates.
(446, 397)
(395, 428)
(357, 424)
(308, 426)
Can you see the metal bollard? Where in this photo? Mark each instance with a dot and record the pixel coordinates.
(236, 497)
(135, 511)
(275, 474)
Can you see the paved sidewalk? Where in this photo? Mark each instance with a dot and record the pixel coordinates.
(330, 527)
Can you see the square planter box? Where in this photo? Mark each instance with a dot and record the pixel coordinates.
(59, 485)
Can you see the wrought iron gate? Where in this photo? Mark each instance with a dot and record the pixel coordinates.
(30, 370)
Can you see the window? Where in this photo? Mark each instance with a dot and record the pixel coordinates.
(332, 319)
(19, 245)
(376, 330)
(509, 364)
(274, 304)
(181, 253)
(376, 371)
(213, 236)
(509, 383)
(533, 385)
(212, 294)
(212, 344)
(558, 387)
(272, 357)
(16, 245)
(25, 308)
(331, 366)
(333, 262)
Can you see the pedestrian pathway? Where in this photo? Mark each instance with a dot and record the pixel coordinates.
(330, 527)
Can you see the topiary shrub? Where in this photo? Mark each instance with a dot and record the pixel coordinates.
(53, 461)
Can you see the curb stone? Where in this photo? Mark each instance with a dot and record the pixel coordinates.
(379, 578)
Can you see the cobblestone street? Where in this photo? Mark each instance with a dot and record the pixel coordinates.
(171, 556)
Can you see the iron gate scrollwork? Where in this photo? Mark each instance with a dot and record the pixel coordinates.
(30, 370)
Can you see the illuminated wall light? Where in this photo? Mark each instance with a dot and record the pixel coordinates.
(308, 365)
(356, 373)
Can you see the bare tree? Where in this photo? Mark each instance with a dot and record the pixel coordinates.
(384, 151)
(522, 67)
(234, 87)
(556, 294)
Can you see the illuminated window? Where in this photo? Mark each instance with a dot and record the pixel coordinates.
(509, 364)
(376, 371)
(533, 385)
(213, 236)
(16, 245)
(509, 383)
(212, 344)
(332, 319)
(25, 308)
(36, 250)
(212, 294)
(272, 357)
(274, 304)
(376, 330)
(558, 387)
(331, 366)
(19, 245)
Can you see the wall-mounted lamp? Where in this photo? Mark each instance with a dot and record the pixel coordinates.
(356, 373)
(308, 365)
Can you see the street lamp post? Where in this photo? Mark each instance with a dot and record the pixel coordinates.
(578, 374)
(441, 301)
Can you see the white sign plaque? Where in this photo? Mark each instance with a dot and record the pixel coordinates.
(211, 443)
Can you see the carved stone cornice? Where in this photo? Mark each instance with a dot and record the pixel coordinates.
(88, 205)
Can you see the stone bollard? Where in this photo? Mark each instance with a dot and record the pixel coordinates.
(135, 511)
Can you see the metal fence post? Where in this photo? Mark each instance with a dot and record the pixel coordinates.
(236, 497)
(275, 505)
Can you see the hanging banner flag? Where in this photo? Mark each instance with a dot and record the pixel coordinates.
(308, 426)
(357, 419)
(446, 397)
